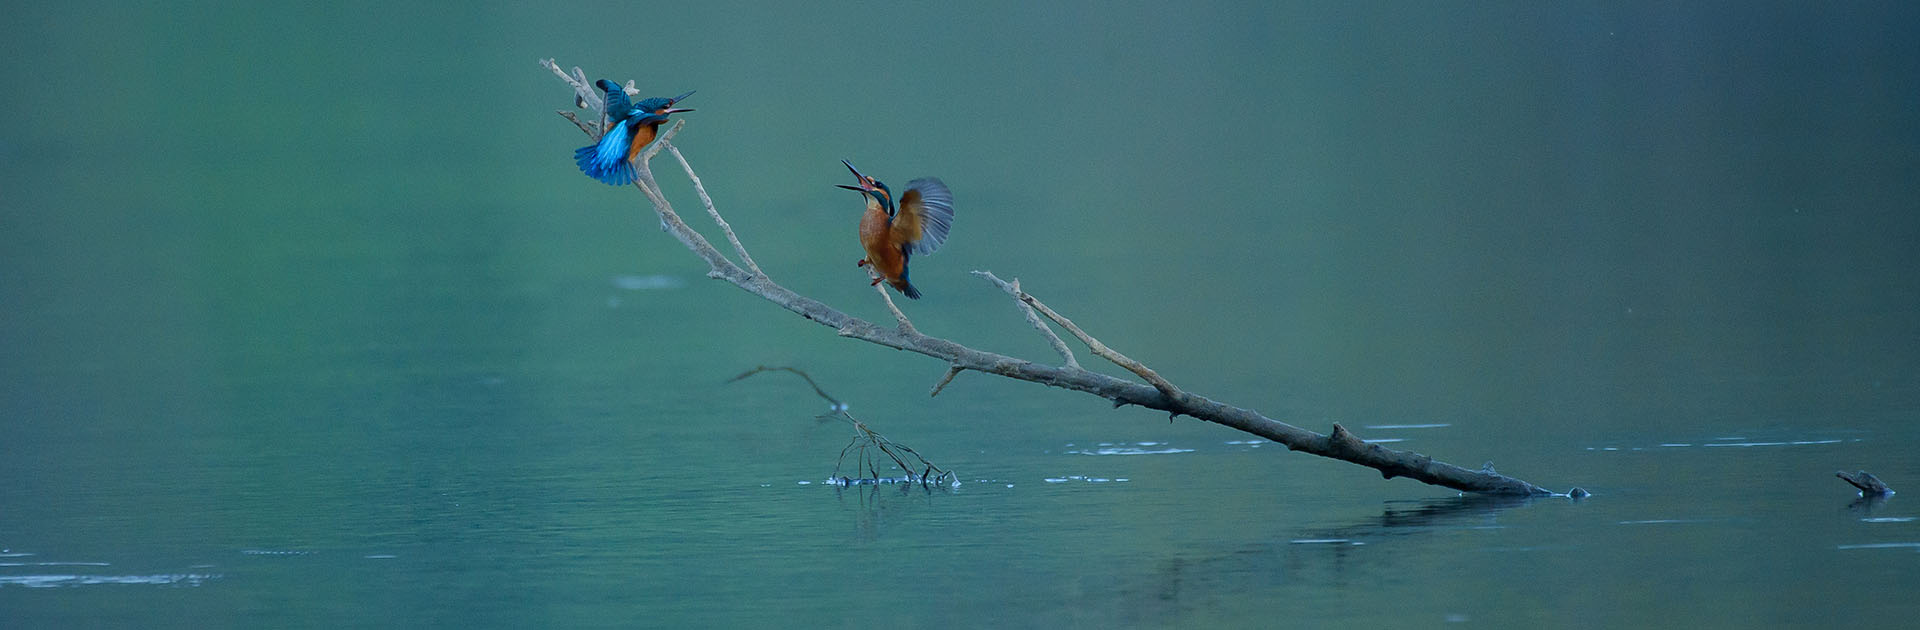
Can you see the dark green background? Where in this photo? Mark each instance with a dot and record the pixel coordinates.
(313, 303)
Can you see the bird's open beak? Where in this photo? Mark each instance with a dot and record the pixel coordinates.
(675, 110)
(683, 97)
(856, 174)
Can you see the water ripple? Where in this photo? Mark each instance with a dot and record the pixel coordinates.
(1898, 545)
(1086, 479)
(1138, 448)
(49, 581)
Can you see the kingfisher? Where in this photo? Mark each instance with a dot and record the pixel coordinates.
(892, 235)
(611, 160)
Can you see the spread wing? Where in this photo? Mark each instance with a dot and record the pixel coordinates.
(925, 216)
(607, 160)
(617, 104)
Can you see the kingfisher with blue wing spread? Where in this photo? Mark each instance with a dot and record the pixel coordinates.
(630, 128)
(893, 234)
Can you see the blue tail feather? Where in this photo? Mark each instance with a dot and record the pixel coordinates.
(906, 287)
(607, 161)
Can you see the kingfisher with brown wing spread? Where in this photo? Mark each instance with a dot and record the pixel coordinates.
(894, 234)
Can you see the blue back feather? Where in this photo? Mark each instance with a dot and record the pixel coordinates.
(618, 107)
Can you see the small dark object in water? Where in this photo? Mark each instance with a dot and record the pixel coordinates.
(1868, 484)
(1578, 493)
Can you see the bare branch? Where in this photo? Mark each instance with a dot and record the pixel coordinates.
(1159, 395)
(1013, 289)
(1099, 349)
(708, 201)
(834, 403)
(905, 324)
(865, 437)
(583, 90)
(591, 132)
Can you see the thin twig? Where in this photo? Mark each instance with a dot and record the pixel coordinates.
(864, 436)
(583, 90)
(1013, 289)
(708, 201)
(905, 324)
(579, 123)
(1099, 349)
(834, 402)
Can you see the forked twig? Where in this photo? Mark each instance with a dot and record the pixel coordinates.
(1013, 289)
(834, 404)
(1093, 345)
(864, 437)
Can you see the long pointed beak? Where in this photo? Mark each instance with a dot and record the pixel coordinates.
(856, 175)
(675, 111)
(683, 97)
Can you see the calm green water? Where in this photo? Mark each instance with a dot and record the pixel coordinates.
(307, 319)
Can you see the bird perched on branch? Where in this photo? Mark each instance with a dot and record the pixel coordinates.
(893, 234)
(630, 128)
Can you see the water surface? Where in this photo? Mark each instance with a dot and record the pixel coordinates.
(307, 319)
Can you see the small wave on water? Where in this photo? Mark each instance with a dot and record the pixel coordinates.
(932, 481)
(648, 282)
(1725, 442)
(274, 552)
(50, 580)
(1893, 545)
(1124, 448)
(1086, 479)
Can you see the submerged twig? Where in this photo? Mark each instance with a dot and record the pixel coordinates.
(1157, 393)
(864, 438)
(834, 404)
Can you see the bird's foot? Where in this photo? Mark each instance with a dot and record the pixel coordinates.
(875, 281)
(863, 262)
